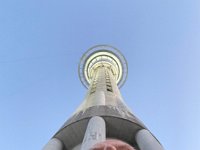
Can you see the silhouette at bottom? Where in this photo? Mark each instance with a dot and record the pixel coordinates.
(112, 144)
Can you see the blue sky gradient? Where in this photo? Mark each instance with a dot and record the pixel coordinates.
(42, 41)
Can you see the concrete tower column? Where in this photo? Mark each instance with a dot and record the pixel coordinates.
(146, 141)
(95, 132)
(96, 94)
(54, 144)
(102, 70)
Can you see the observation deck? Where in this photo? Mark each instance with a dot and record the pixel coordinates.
(103, 55)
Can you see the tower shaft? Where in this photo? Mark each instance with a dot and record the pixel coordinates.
(103, 90)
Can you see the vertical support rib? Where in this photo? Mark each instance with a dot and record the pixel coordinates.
(54, 144)
(146, 141)
(95, 132)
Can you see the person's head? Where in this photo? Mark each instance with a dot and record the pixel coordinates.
(112, 144)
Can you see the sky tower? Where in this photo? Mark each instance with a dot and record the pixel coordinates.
(103, 121)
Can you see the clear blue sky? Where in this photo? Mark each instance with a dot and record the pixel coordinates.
(41, 42)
